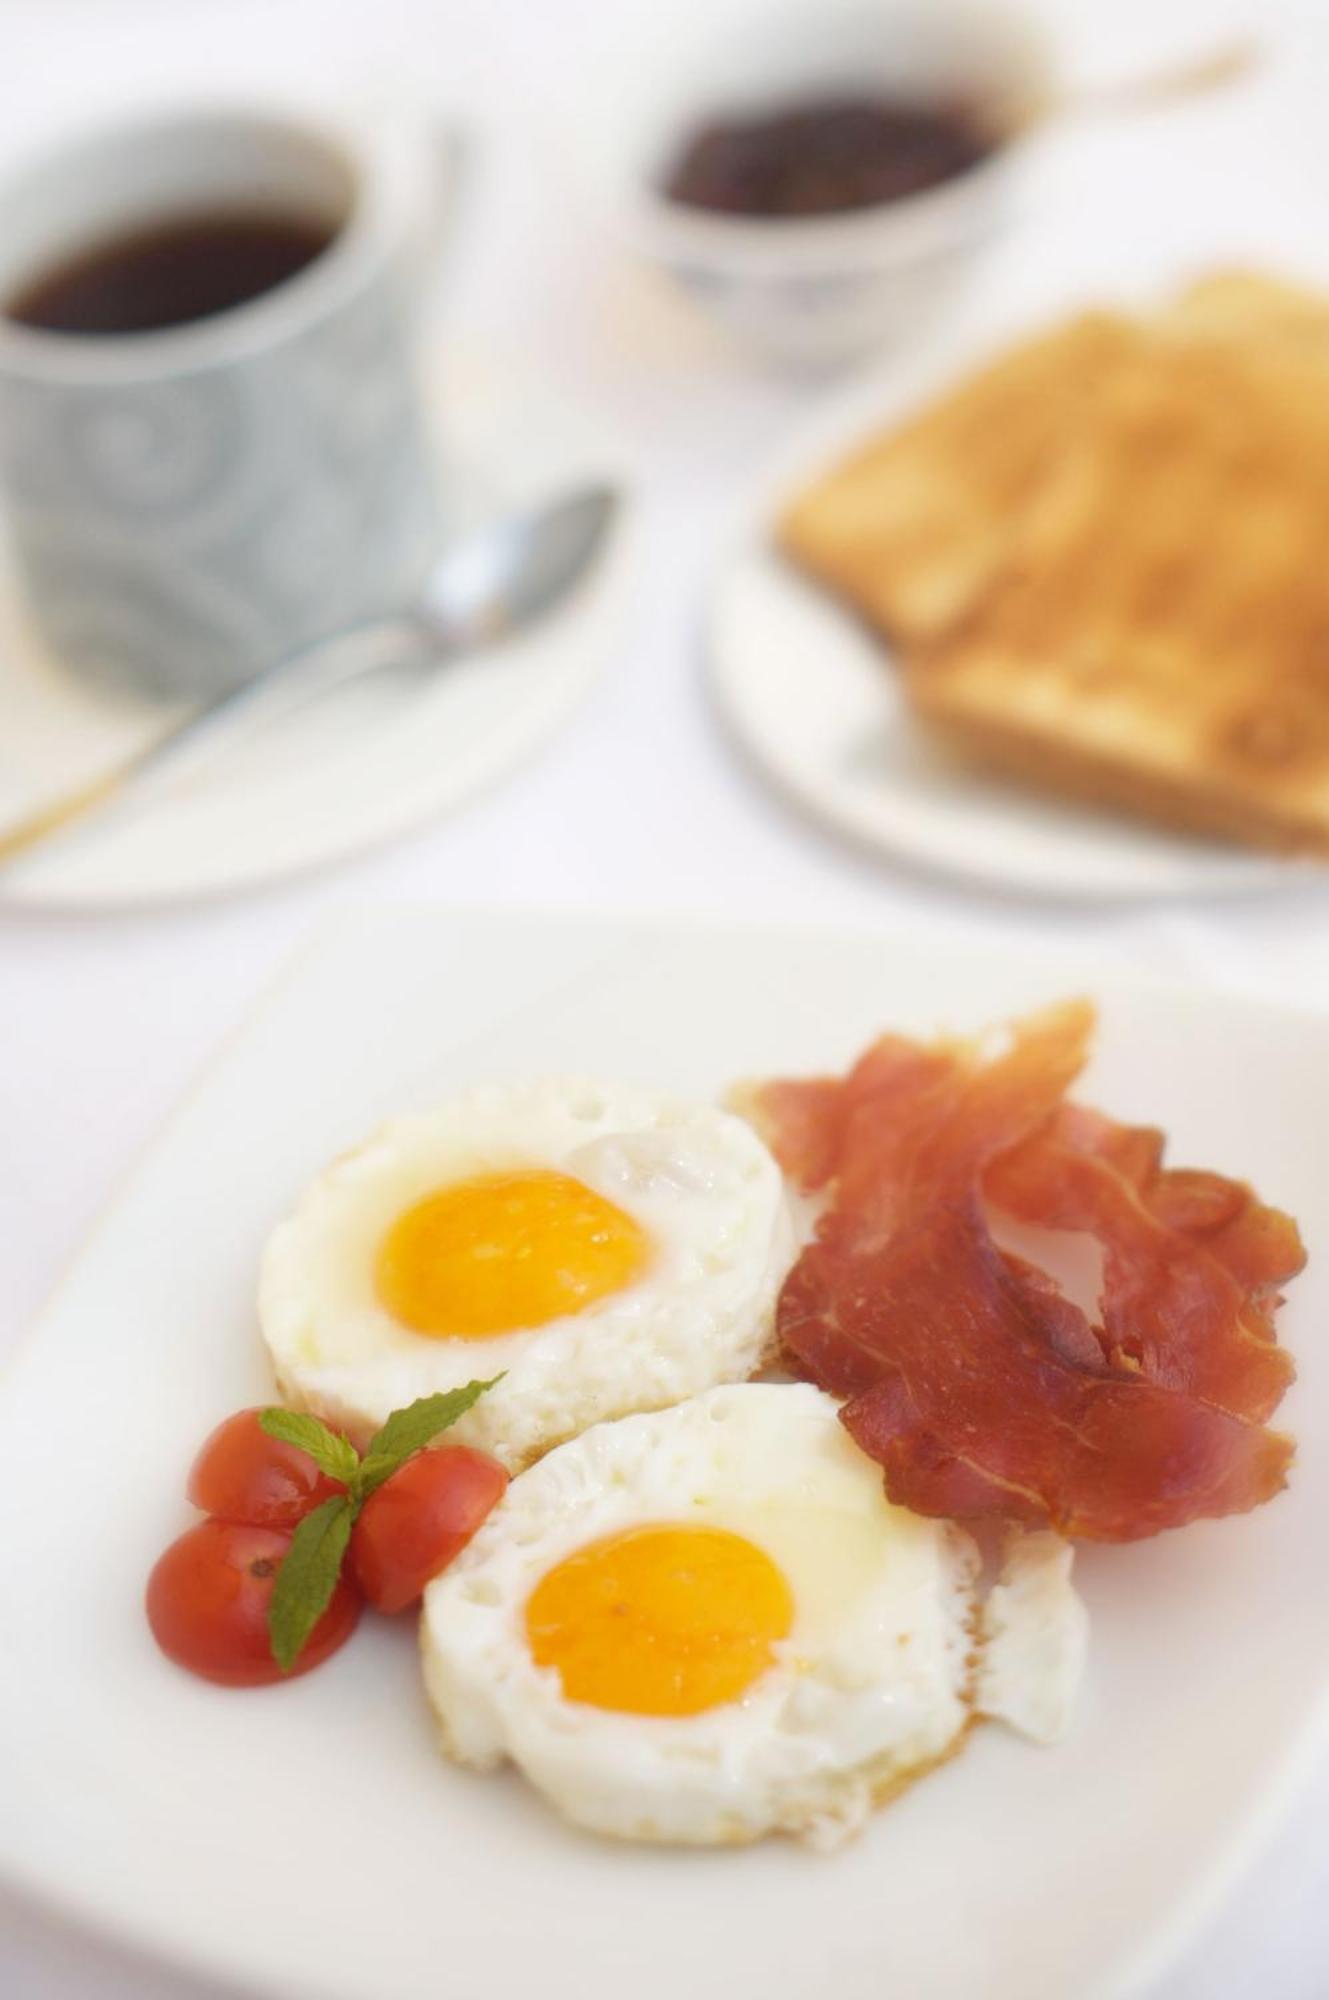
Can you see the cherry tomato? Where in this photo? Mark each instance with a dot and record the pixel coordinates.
(207, 1605)
(413, 1526)
(241, 1474)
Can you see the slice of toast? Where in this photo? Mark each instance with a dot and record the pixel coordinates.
(1241, 305)
(912, 528)
(1157, 637)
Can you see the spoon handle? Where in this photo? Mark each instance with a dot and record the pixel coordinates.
(1195, 76)
(30, 832)
(24, 834)
(294, 682)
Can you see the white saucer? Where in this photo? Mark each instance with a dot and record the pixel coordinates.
(348, 773)
(808, 692)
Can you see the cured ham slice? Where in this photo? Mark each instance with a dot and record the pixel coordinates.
(979, 1387)
(1192, 1263)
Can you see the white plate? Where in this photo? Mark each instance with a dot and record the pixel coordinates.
(350, 772)
(310, 1840)
(809, 693)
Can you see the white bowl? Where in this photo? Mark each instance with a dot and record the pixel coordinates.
(819, 291)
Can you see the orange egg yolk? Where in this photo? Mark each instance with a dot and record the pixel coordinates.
(505, 1251)
(664, 1620)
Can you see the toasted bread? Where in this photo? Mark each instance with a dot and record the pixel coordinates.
(1242, 305)
(912, 528)
(1101, 560)
(1158, 635)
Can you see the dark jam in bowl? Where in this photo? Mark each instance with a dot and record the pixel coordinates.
(827, 157)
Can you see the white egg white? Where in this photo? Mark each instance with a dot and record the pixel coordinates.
(697, 1180)
(1035, 1639)
(872, 1687)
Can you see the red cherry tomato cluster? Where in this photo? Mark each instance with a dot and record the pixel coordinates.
(208, 1595)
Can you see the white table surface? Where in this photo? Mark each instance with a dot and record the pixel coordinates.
(639, 803)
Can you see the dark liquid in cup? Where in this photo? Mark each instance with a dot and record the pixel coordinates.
(826, 157)
(169, 273)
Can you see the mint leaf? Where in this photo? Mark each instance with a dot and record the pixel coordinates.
(332, 1454)
(375, 1467)
(308, 1577)
(410, 1430)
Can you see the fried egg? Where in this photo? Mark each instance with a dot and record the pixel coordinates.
(706, 1624)
(604, 1250)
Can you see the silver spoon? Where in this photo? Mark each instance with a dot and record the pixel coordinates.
(489, 585)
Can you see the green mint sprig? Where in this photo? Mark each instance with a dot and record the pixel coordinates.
(311, 1566)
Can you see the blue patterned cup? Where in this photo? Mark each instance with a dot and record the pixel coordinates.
(188, 505)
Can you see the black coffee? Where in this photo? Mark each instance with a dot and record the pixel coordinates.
(168, 273)
(826, 156)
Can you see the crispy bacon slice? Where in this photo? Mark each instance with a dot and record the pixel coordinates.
(979, 1388)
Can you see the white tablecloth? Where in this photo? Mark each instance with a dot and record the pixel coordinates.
(640, 803)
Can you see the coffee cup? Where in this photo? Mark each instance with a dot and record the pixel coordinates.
(199, 481)
(818, 291)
